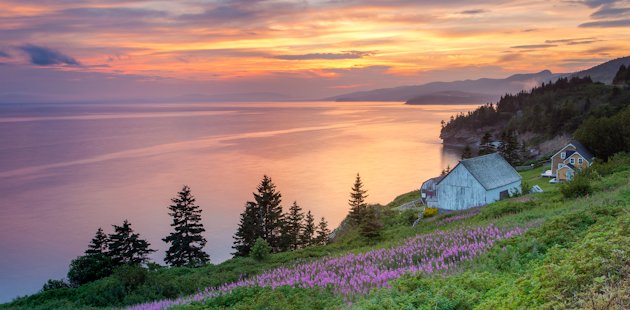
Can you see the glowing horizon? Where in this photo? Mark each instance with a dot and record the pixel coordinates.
(329, 46)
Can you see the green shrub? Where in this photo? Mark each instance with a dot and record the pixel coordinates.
(408, 217)
(429, 212)
(260, 250)
(284, 297)
(88, 268)
(579, 186)
(131, 276)
(504, 208)
(616, 163)
(54, 284)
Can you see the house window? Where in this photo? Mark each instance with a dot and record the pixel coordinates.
(580, 161)
(563, 155)
(572, 161)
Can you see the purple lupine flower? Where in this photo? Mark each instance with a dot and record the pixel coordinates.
(357, 274)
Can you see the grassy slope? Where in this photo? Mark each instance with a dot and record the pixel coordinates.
(514, 274)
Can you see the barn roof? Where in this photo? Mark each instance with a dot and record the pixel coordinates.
(491, 170)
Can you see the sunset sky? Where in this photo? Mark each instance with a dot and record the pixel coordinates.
(302, 49)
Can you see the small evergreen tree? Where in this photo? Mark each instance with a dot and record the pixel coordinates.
(357, 202)
(294, 226)
(260, 250)
(306, 238)
(622, 76)
(322, 232)
(186, 240)
(509, 148)
(126, 247)
(485, 146)
(445, 171)
(247, 231)
(371, 227)
(467, 153)
(270, 212)
(99, 243)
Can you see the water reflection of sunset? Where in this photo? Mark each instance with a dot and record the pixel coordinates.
(129, 164)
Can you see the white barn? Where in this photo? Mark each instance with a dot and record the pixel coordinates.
(476, 182)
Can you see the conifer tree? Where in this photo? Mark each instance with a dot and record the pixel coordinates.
(509, 148)
(322, 232)
(248, 230)
(309, 230)
(126, 247)
(186, 241)
(357, 202)
(371, 227)
(446, 171)
(99, 243)
(484, 146)
(294, 226)
(467, 153)
(622, 76)
(270, 212)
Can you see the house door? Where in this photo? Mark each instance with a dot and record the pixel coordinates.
(504, 194)
(569, 175)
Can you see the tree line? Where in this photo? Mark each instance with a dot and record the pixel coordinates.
(125, 247)
(551, 109)
(263, 218)
(263, 228)
(508, 146)
(264, 221)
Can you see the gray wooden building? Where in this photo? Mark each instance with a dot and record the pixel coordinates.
(476, 182)
(428, 192)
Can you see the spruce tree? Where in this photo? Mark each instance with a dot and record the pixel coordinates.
(322, 232)
(306, 237)
(126, 247)
(485, 146)
(357, 202)
(294, 226)
(247, 231)
(509, 148)
(622, 76)
(371, 227)
(186, 240)
(99, 243)
(467, 153)
(270, 212)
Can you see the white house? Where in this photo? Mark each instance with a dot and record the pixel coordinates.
(476, 182)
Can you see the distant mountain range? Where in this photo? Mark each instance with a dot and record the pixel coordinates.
(477, 91)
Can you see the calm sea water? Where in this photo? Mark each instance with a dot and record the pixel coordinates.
(67, 169)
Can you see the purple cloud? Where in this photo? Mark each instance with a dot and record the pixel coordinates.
(43, 56)
(607, 24)
(473, 11)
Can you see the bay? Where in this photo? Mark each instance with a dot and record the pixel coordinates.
(67, 169)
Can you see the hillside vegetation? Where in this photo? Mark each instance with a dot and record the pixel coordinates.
(574, 254)
(547, 111)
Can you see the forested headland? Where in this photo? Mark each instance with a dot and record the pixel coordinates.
(595, 113)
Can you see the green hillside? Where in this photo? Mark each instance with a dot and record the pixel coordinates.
(548, 111)
(574, 254)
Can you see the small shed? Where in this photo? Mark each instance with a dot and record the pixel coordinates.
(476, 182)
